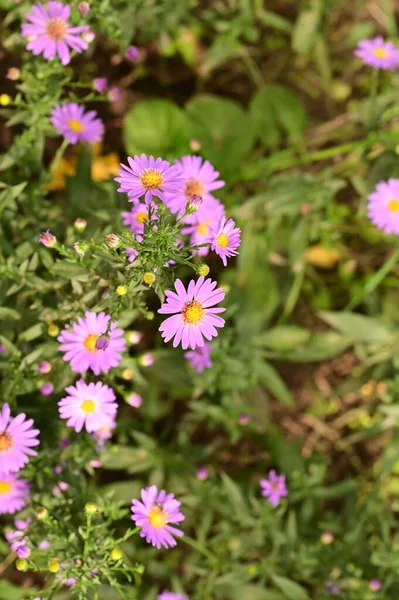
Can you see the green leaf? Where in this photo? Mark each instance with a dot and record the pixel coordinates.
(223, 128)
(9, 313)
(156, 127)
(32, 333)
(283, 338)
(273, 382)
(307, 27)
(235, 497)
(359, 327)
(321, 346)
(10, 194)
(69, 270)
(223, 49)
(290, 589)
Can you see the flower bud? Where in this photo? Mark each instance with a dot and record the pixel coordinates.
(139, 569)
(44, 367)
(134, 400)
(121, 290)
(88, 36)
(116, 554)
(203, 270)
(132, 53)
(80, 224)
(102, 343)
(47, 239)
(149, 278)
(53, 565)
(13, 73)
(112, 240)
(134, 337)
(114, 94)
(41, 513)
(193, 204)
(83, 8)
(195, 144)
(52, 329)
(91, 508)
(79, 247)
(147, 359)
(21, 564)
(100, 84)
(327, 538)
(127, 374)
(47, 389)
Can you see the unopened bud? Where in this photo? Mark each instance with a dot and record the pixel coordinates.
(112, 240)
(116, 554)
(79, 247)
(13, 73)
(21, 564)
(91, 508)
(47, 239)
(134, 400)
(193, 204)
(53, 565)
(203, 270)
(53, 330)
(80, 224)
(147, 359)
(41, 513)
(195, 144)
(127, 374)
(5, 99)
(134, 337)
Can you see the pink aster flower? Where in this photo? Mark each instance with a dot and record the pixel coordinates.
(200, 358)
(195, 319)
(274, 488)
(100, 84)
(79, 344)
(47, 239)
(47, 389)
(16, 440)
(105, 432)
(49, 32)
(131, 254)
(14, 493)
(20, 548)
(149, 177)
(91, 406)
(378, 53)
(154, 515)
(171, 596)
(132, 53)
(226, 239)
(383, 206)
(202, 473)
(199, 226)
(199, 178)
(75, 125)
(44, 367)
(136, 218)
(375, 585)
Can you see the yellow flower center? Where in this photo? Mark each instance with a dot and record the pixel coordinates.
(202, 228)
(157, 517)
(393, 205)
(222, 240)
(151, 178)
(56, 29)
(5, 441)
(192, 312)
(194, 186)
(75, 125)
(88, 406)
(380, 53)
(141, 217)
(90, 342)
(5, 487)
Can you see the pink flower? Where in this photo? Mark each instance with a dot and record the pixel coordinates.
(91, 406)
(154, 515)
(16, 441)
(171, 596)
(132, 53)
(79, 344)
(202, 473)
(226, 239)
(383, 206)
(75, 124)
(114, 93)
(195, 319)
(134, 400)
(199, 225)
(105, 432)
(44, 367)
(49, 32)
(148, 177)
(100, 84)
(47, 389)
(47, 239)
(200, 358)
(274, 488)
(378, 53)
(137, 217)
(14, 494)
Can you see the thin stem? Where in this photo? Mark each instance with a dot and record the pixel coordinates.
(374, 84)
(197, 546)
(58, 155)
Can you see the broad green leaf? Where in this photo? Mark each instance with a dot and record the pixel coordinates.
(247, 592)
(156, 127)
(223, 128)
(291, 590)
(122, 491)
(68, 270)
(273, 382)
(321, 346)
(283, 338)
(307, 28)
(235, 496)
(223, 49)
(359, 327)
(9, 313)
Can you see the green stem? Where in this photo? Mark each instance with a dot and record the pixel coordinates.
(58, 155)
(374, 84)
(197, 546)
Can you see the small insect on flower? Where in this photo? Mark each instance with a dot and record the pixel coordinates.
(49, 32)
(274, 488)
(378, 53)
(132, 53)
(47, 239)
(14, 494)
(156, 514)
(76, 125)
(100, 84)
(88, 405)
(226, 239)
(17, 438)
(148, 177)
(171, 596)
(200, 358)
(195, 319)
(79, 344)
(383, 206)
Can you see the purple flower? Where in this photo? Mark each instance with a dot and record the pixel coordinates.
(202, 473)
(199, 225)
(200, 358)
(100, 84)
(195, 319)
(274, 488)
(112, 240)
(378, 53)
(131, 254)
(79, 344)
(44, 545)
(332, 588)
(171, 596)
(132, 53)
(49, 32)
(136, 218)
(20, 548)
(154, 515)
(47, 389)
(44, 367)
(102, 343)
(22, 524)
(149, 177)
(91, 406)
(243, 419)
(14, 494)
(75, 125)
(226, 239)
(114, 93)
(375, 585)
(47, 239)
(2, 348)
(194, 203)
(134, 400)
(16, 441)
(383, 206)
(199, 178)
